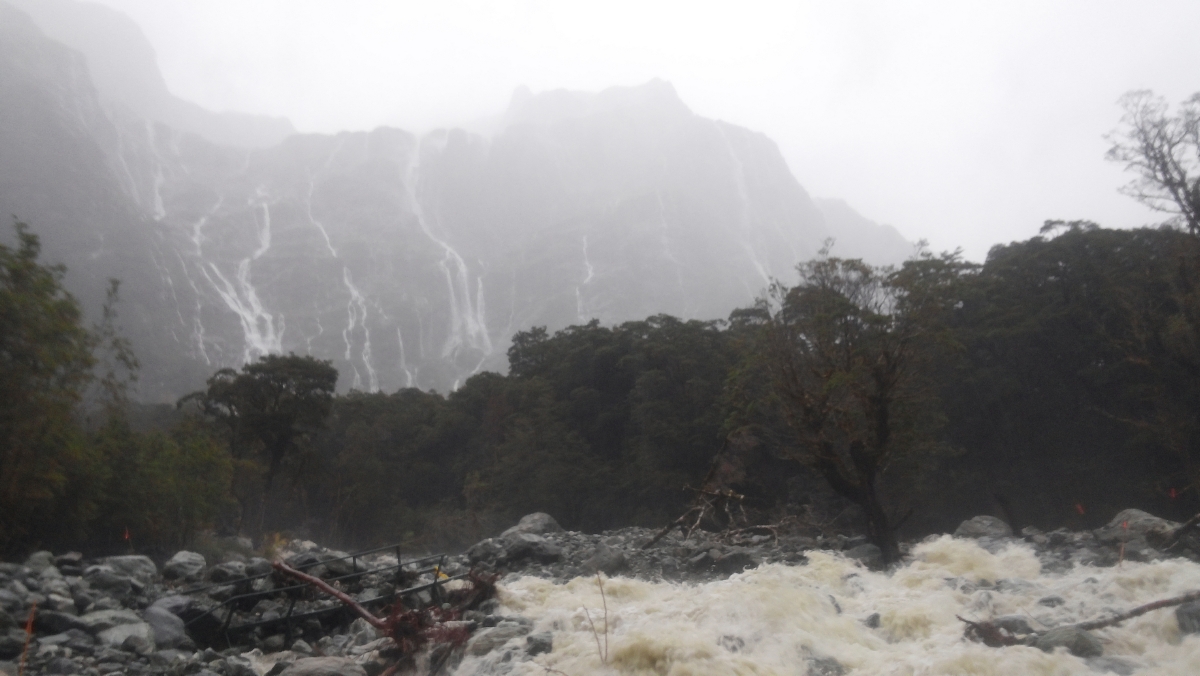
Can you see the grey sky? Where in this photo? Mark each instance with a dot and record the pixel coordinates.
(965, 123)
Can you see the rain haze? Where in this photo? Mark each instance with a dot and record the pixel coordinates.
(966, 124)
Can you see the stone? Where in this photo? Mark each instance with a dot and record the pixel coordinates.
(983, 526)
(184, 565)
(134, 566)
(1051, 601)
(1188, 617)
(105, 579)
(1013, 624)
(301, 647)
(175, 604)
(605, 559)
(62, 665)
(258, 566)
(1143, 529)
(536, 547)
(102, 620)
(39, 560)
(867, 554)
(538, 523)
(1078, 642)
(1112, 665)
(227, 572)
(141, 632)
(542, 642)
(735, 560)
(487, 640)
(324, 666)
(54, 622)
(825, 666)
(166, 626)
(486, 551)
(872, 621)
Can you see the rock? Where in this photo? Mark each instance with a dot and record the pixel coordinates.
(1051, 601)
(487, 640)
(1080, 643)
(102, 620)
(257, 566)
(227, 572)
(54, 622)
(39, 560)
(1188, 617)
(532, 546)
(605, 559)
(141, 632)
(1144, 529)
(868, 554)
(184, 565)
(323, 666)
(735, 560)
(167, 627)
(105, 579)
(301, 647)
(536, 644)
(825, 666)
(133, 566)
(1112, 665)
(1013, 624)
(983, 526)
(12, 642)
(62, 665)
(175, 604)
(538, 523)
(486, 551)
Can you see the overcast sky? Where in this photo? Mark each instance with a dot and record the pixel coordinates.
(964, 123)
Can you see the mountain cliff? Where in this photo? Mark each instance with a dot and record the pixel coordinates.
(409, 260)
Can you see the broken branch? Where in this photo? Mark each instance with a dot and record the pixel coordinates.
(1140, 610)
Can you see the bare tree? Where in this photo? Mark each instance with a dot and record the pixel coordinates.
(1163, 151)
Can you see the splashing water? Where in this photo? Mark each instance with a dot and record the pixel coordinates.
(781, 619)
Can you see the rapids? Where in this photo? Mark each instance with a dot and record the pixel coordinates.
(779, 619)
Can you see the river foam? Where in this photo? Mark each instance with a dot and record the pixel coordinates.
(780, 619)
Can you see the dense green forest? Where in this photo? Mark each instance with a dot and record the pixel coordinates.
(1054, 384)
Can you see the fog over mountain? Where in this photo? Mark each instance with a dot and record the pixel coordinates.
(409, 260)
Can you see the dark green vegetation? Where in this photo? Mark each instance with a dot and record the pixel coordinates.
(1055, 384)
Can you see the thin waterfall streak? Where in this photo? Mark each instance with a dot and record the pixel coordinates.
(408, 376)
(356, 309)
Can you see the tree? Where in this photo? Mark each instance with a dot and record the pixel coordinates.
(45, 363)
(844, 349)
(1163, 151)
(270, 405)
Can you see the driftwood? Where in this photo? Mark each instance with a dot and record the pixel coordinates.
(412, 630)
(1177, 534)
(989, 634)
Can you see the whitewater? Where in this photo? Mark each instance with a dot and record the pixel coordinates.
(814, 618)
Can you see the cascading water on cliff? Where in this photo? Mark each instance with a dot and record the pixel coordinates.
(813, 618)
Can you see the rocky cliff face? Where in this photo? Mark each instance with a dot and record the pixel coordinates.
(408, 260)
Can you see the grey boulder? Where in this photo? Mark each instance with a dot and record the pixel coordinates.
(133, 566)
(983, 526)
(116, 637)
(323, 666)
(184, 565)
(1078, 642)
(538, 523)
(166, 627)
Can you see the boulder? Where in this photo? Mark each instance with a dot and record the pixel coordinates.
(140, 632)
(184, 565)
(323, 666)
(536, 547)
(735, 560)
(166, 626)
(227, 572)
(1188, 617)
(605, 559)
(536, 644)
(39, 560)
(133, 566)
(538, 523)
(983, 526)
(1136, 528)
(175, 604)
(103, 620)
(54, 622)
(1078, 642)
(106, 580)
(487, 640)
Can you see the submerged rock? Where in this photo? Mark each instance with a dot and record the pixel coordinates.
(983, 526)
(1078, 642)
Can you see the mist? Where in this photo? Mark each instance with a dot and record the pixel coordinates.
(966, 125)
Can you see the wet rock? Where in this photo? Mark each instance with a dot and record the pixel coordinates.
(825, 666)
(735, 561)
(1188, 617)
(1013, 624)
(324, 666)
(227, 572)
(1112, 665)
(1144, 529)
(538, 523)
(1078, 642)
(105, 579)
(133, 566)
(605, 559)
(872, 621)
(536, 644)
(39, 560)
(1051, 601)
(141, 632)
(487, 640)
(167, 628)
(102, 620)
(54, 622)
(983, 526)
(184, 565)
(868, 554)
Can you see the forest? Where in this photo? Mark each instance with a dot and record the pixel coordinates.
(1054, 384)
